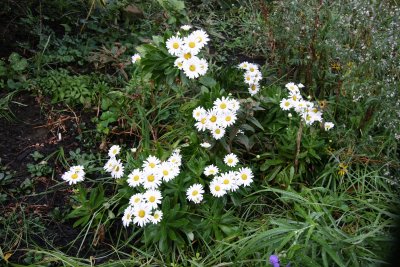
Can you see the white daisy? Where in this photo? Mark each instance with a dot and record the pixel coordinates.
(175, 159)
(186, 27)
(213, 119)
(192, 45)
(245, 176)
(233, 105)
(227, 119)
(198, 113)
(108, 167)
(216, 188)
(195, 193)
(179, 63)
(292, 87)
(136, 199)
(252, 68)
(73, 177)
(135, 178)
(254, 88)
(201, 125)
(191, 67)
(328, 126)
(228, 181)
(244, 65)
(114, 151)
(151, 163)
(203, 66)
(117, 170)
(153, 198)
(174, 45)
(286, 104)
(201, 37)
(211, 170)
(135, 58)
(142, 213)
(231, 160)
(78, 168)
(218, 133)
(221, 104)
(128, 215)
(205, 145)
(156, 217)
(151, 180)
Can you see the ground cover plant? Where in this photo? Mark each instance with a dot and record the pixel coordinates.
(199, 133)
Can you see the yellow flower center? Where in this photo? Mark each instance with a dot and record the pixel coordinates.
(115, 151)
(152, 165)
(187, 56)
(217, 188)
(152, 199)
(228, 118)
(230, 161)
(175, 45)
(150, 178)
(251, 69)
(165, 172)
(192, 67)
(74, 176)
(253, 87)
(141, 213)
(294, 98)
(222, 106)
(248, 78)
(116, 168)
(217, 131)
(199, 39)
(137, 200)
(213, 118)
(226, 181)
(128, 216)
(136, 178)
(287, 104)
(195, 193)
(244, 176)
(156, 216)
(203, 121)
(192, 44)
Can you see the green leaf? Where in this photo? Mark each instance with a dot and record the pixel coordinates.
(207, 81)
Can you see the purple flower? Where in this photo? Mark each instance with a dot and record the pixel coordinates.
(274, 260)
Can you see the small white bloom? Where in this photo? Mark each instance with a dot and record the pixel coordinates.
(135, 178)
(218, 133)
(195, 193)
(156, 217)
(114, 151)
(245, 176)
(128, 215)
(151, 163)
(174, 45)
(135, 58)
(141, 214)
(211, 170)
(186, 27)
(117, 170)
(136, 199)
(205, 145)
(231, 160)
(328, 126)
(153, 198)
(216, 188)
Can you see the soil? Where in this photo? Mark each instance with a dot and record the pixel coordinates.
(35, 129)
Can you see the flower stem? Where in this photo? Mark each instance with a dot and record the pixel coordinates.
(298, 143)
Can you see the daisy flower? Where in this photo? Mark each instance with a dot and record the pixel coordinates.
(198, 113)
(218, 133)
(300, 85)
(254, 88)
(216, 188)
(292, 87)
(175, 159)
(168, 171)
(73, 177)
(231, 160)
(195, 193)
(135, 58)
(201, 125)
(191, 67)
(212, 119)
(286, 104)
(328, 126)
(244, 65)
(245, 176)
(233, 105)
(174, 45)
(78, 168)
(228, 181)
(186, 55)
(252, 68)
(179, 63)
(114, 151)
(248, 78)
(205, 145)
(117, 170)
(135, 178)
(151, 180)
(227, 119)
(151, 163)
(153, 198)
(203, 66)
(221, 104)
(156, 217)
(136, 199)
(127, 218)
(142, 213)
(186, 27)
(211, 170)
(201, 37)
(192, 45)
(108, 167)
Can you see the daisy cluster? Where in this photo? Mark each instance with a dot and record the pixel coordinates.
(135, 58)
(306, 109)
(114, 166)
(252, 76)
(222, 115)
(229, 181)
(74, 175)
(143, 207)
(186, 49)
